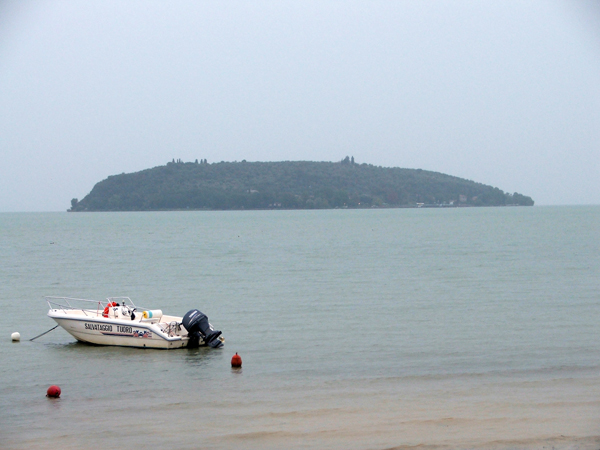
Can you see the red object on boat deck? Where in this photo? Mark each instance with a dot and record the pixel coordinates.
(107, 309)
(53, 391)
(236, 361)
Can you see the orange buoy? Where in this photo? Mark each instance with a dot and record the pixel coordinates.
(236, 361)
(53, 392)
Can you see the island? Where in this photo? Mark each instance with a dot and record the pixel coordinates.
(243, 185)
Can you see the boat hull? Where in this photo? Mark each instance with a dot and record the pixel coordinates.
(117, 332)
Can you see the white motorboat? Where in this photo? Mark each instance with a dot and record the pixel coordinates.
(117, 321)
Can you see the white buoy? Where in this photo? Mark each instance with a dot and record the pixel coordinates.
(16, 337)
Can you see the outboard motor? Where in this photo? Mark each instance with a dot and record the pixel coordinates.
(196, 323)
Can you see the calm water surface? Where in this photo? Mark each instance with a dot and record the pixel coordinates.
(359, 329)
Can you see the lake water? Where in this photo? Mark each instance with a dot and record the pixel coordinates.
(358, 329)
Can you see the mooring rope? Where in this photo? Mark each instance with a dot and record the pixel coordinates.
(45, 332)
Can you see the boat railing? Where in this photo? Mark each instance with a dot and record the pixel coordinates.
(88, 307)
(93, 308)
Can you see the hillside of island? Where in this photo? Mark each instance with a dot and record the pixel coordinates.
(197, 185)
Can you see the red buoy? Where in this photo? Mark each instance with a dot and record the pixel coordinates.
(53, 392)
(236, 361)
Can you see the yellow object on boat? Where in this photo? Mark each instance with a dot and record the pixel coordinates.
(153, 314)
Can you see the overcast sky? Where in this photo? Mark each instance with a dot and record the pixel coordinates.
(505, 93)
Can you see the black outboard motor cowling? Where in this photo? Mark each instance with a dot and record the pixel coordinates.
(196, 323)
